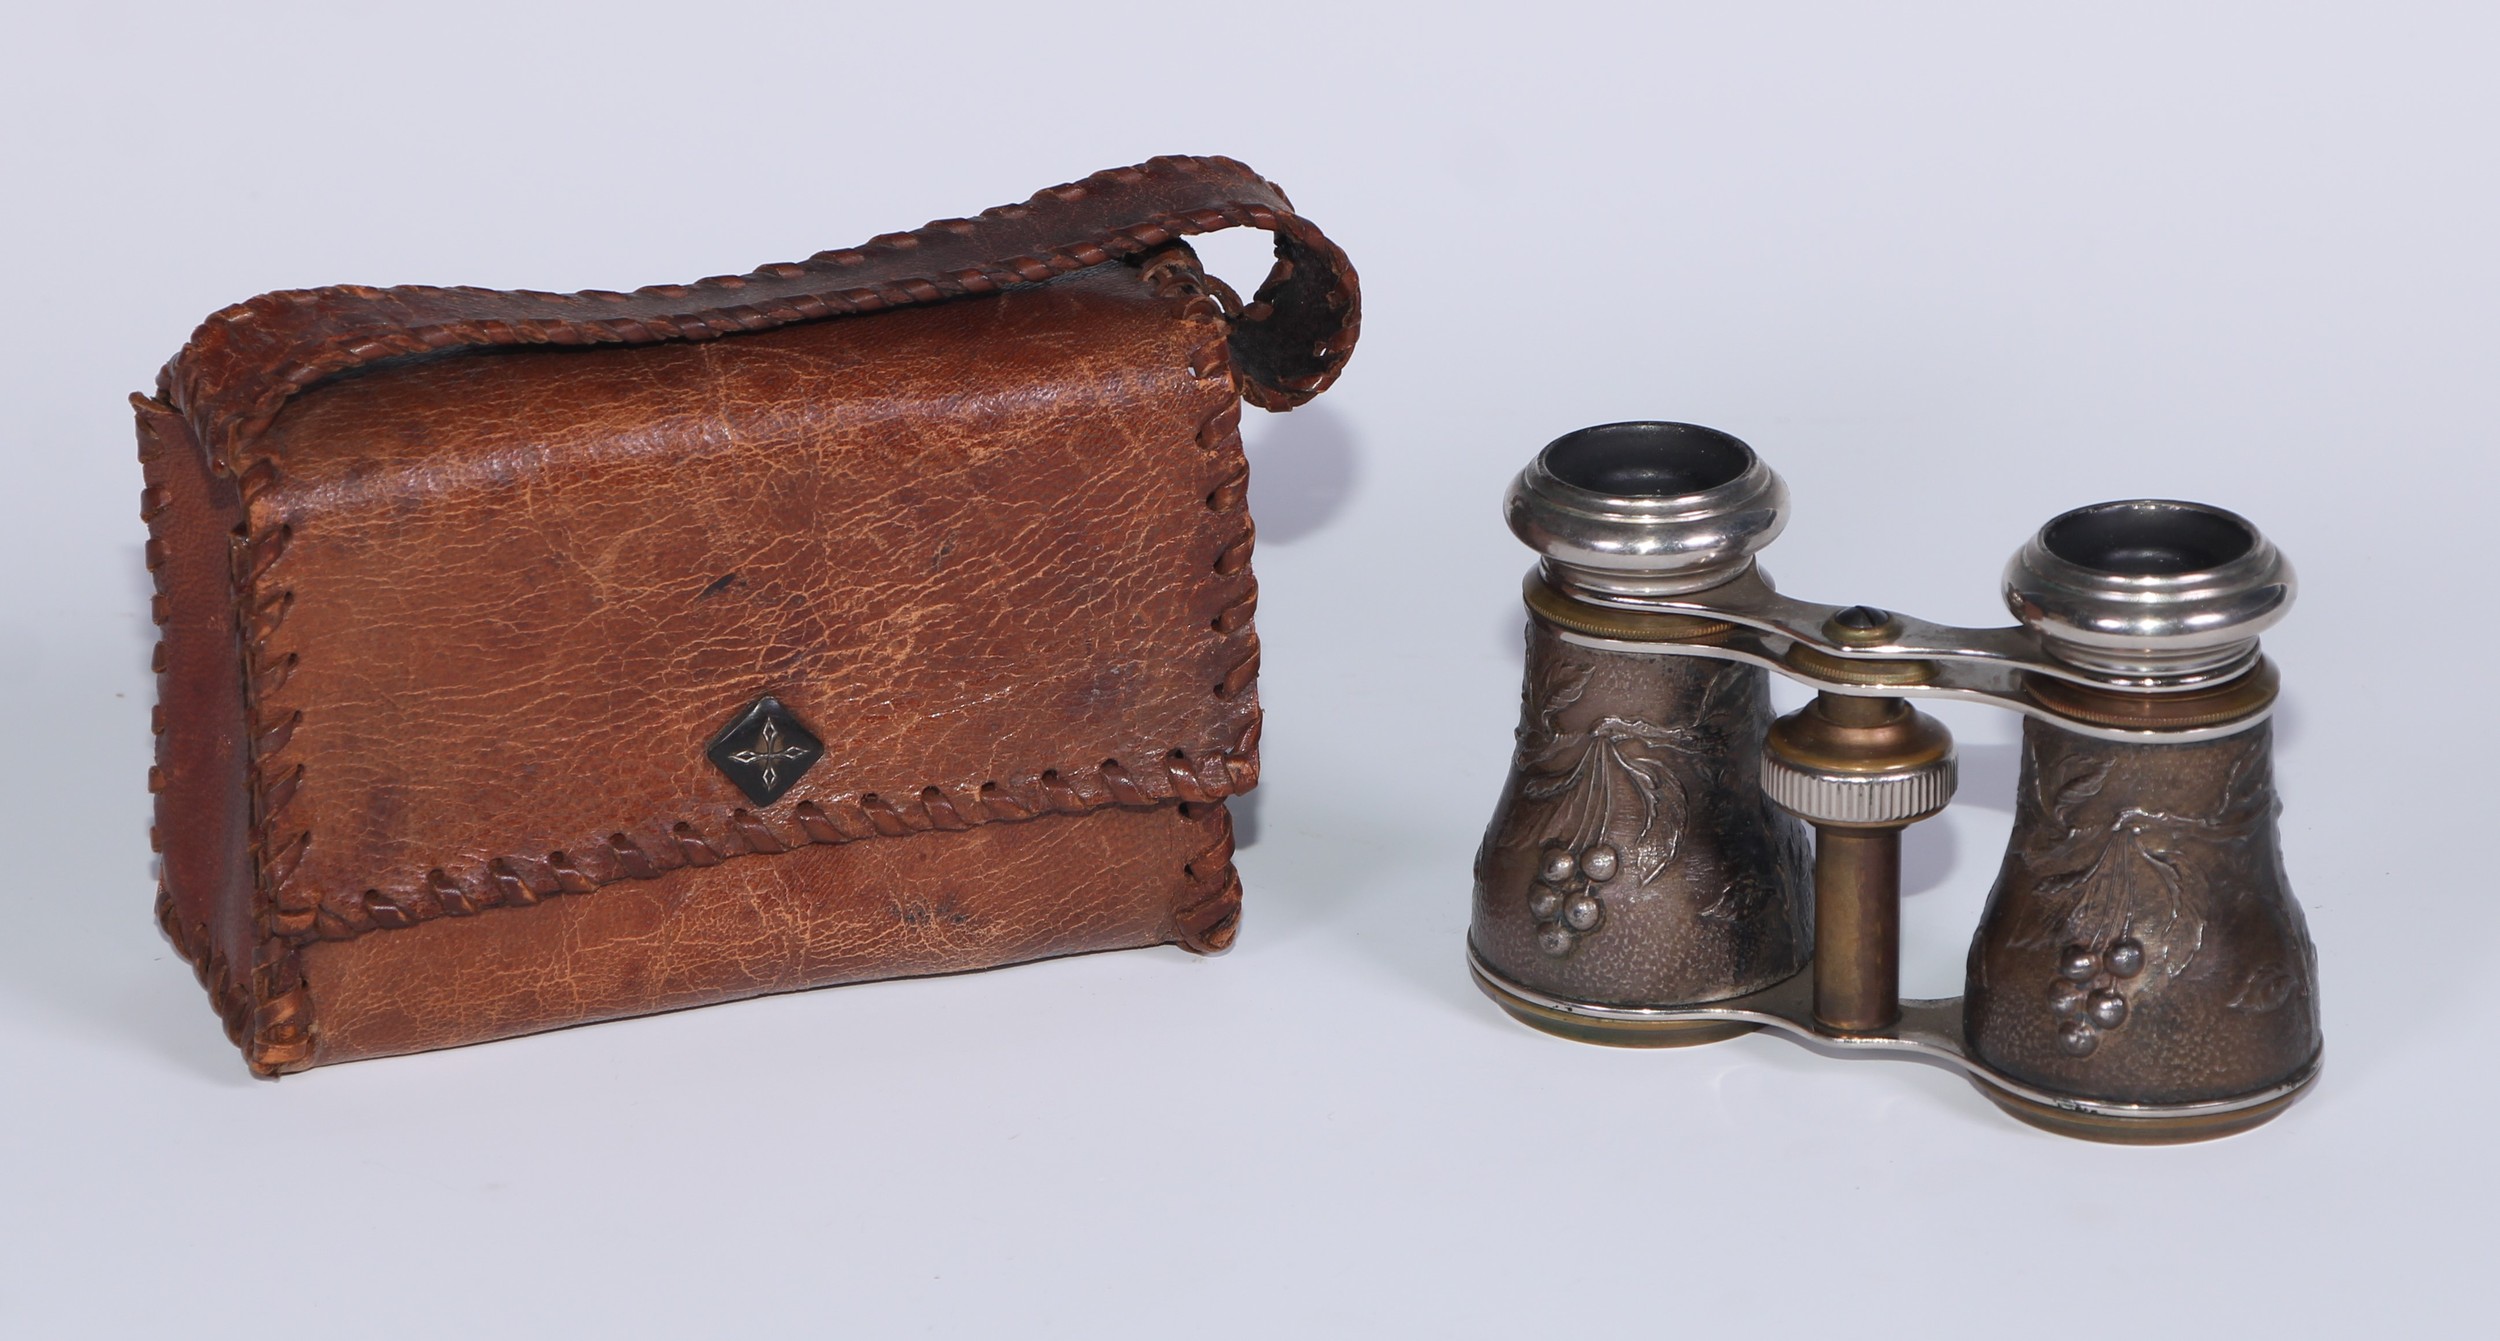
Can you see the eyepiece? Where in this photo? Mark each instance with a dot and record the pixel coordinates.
(2148, 538)
(1647, 460)
(2150, 593)
(1634, 511)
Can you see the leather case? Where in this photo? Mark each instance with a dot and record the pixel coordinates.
(530, 659)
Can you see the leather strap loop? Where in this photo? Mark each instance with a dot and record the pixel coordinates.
(1287, 345)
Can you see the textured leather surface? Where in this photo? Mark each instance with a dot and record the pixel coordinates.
(1290, 342)
(931, 903)
(450, 633)
(965, 544)
(203, 809)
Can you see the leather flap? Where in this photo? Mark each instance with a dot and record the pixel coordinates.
(990, 558)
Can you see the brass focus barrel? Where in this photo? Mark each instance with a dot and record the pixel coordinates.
(1857, 929)
(1860, 769)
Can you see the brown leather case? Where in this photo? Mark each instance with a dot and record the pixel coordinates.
(478, 606)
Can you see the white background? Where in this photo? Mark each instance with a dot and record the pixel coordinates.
(1950, 269)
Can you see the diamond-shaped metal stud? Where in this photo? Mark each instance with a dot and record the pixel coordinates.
(765, 750)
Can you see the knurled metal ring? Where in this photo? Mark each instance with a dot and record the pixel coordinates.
(1875, 800)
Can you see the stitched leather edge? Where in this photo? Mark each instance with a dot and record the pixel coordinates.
(518, 881)
(1289, 343)
(1207, 912)
(280, 1038)
(265, 1006)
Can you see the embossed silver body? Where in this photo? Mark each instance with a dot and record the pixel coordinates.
(1628, 861)
(1645, 761)
(2142, 972)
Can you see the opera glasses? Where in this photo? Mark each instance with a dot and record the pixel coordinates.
(2141, 973)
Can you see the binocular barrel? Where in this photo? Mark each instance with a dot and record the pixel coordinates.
(2141, 973)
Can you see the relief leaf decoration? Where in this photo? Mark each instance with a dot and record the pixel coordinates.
(1617, 767)
(2098, 876)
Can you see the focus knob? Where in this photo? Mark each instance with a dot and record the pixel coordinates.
(1859, 762)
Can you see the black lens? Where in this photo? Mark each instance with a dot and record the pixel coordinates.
(1647, 460)
(2147, 539)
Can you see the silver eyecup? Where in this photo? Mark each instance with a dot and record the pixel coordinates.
(1628, 513)
(2147, 591)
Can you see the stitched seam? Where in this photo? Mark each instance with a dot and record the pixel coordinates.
(183, 378)
(519, 881)
(1207, 908)
(266, 1010)
(282, 1012)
